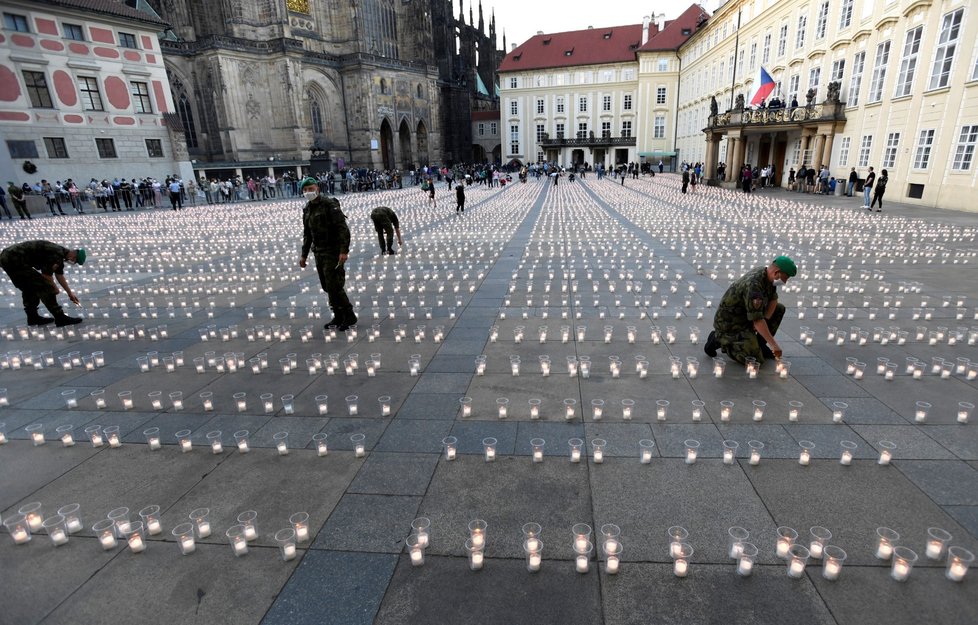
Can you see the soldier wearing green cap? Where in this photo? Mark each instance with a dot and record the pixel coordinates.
(324, 231)
(33, 267)
(749, 314)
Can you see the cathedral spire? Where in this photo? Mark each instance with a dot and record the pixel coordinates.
(482, 23)
(461, 12)
(471, 20)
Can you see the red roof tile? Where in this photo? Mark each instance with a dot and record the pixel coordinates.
(671, 37)
(485, 115)
(116, 8)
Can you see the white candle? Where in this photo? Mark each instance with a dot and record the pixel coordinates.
(804, 457)
(187, 545)
(136, 543)
(490, 454)
(832, 570)
(736, 550)
(675, 548)
(417, 556)
(217, 447)
(846, 458)
(646, 456)
(250, 533)
(745, 566)
(288, 552)
(681, 567)
(537, 455)
(580, 542)
(797, 568)
(21, 536)
(611, 566)
(153, 527)
(885, 457)
(598, 456)
(956, 571)
(283, 448)
(783, 546)
(240, 547)
(582, 563)
(690, 456)
(301, 533)
(185, 445)
(360, 450)
(815, 549)
(901, 571)
(575, 455)
(68, 440)
(934, 549)
(108, 541)
(243, 446)
(203, 529)
(476, 560)
(534, 562)
(478, 539)
(34, 521)
(755, 457)
(885, 550)
(74, 525)
(728, 457)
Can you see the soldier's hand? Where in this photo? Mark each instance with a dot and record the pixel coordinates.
(302, 263)
(343, 258)
(777, 354)
(74, 298)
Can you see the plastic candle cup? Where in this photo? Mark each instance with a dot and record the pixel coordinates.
(692, 448)
(249, 520)
(489, 449)
(832, 559)
(466, 406)
(201, 521)
(384, 402)
(726, 410)
(281, 440)
(698, 408)
(241, 441)
(681, 557)
(319, 440)
(719, 365)
(886, 452)
(786, 538)
(151, 520)
(903, 561)
(416, 549)
(176, 399)
(36, 433)
(959, 560)
(55, 528)
(537, 445)
(104, 531)
(848, 449)
(19, 529)
(730, 451)
(575, 445)
(66, 435)
(184, 535)
(421, 527)
(612, 558)
(300, 523)
(597, 450)
(645, 450)
(98, 397)
(351, 405)
(236, 537)
(359, 447)
(755, 452)
(477, 533)
(73, 522)
(797, 559)
(570, 409)
(820, 537)
(937, 541)
(794, 410)
(736, 537)
(759, 409)
(920, 413)
(322, 404)
(965, 409)
(597, 409)
(534, 405)
(805, 455)
(184, 440)
(745, 559)
(135, 537)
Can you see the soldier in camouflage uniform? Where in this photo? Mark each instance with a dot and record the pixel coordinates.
(749, 314)
(324, 230)
(386, 225)
(33, 267)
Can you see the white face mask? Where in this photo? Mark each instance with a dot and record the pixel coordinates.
(778, 282)
(310, 195)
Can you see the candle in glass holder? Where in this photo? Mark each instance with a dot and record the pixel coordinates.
(645, 447)
(281, 443)
(597, 454)
(937, 540)
(805, 456)
(692, 447)
(502, 407)
(726, 410)
(105, 532)
(729, 451)
(886, 452)
(903, 561)
(183, 439)
(797, 558)
(958, 561)
(786, 538)
(322, 404)
(359, 447)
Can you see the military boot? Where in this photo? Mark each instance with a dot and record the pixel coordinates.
(333, 322)
(64, 320)
(346, 320)
(35, 319)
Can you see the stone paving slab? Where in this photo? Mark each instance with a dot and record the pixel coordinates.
(503, 592)
(28, 469)
(951, 483)
(369, 523)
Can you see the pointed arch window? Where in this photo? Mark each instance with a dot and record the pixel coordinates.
(186, 111)
(316, 115)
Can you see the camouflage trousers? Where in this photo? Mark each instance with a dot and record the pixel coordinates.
(744, 343)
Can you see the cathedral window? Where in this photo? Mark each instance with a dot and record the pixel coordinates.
(380, 27)
(316, 116)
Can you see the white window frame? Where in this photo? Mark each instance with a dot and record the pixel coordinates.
(821, 22)
(783, 40)
(765, 50)
(838, 70)
(908, 65)
(855, 82)
(605, 130)
(964, 149)
(659, 128)
(879, 72)
(606, 103)
(947, 44)
(582, 104)
(660, 95)
(925, 143)
(844, 147)
(802, 31)
(540, 106)
(865, 150)
(582, 130)
(845, 14)
(541, 130)
(514, 139)
(890, 151)
(627, 102)
(626, 128)
(514, 107)
(559, 104)
(513, 82)
(814, 77)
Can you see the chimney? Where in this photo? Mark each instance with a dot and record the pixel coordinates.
(645, 29)
(660, 22)
(512, 47)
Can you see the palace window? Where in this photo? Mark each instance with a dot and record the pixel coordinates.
(946, 46)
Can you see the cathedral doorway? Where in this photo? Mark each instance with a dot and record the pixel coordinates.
(386, 145)
(404, 135)
(422, 144)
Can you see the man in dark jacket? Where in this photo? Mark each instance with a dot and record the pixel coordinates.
(386, 225)
(325, 232)
(33, 267)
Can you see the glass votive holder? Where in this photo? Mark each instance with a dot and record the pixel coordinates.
(886, 452)
(267, 401)
(903, 561)
(421, 527)
(959, 560)
(241, 401)
(848, 449)
(465, 404)
(176, 400)
(820, 537)
(351, 405)
(19, 528)
(249, 519)
(692, 449)
(582, 557)
(859, 370)
(661, 409)
(534, 405)
(285, 364)
(783, 368)
(805, 455)
(736, 537)
(681, 558)
(537, 445)
(677, 535)
(199, 364)
(156, 400)
(575, 445)
(502, 407)
(570, 409)
(113, 436)
(236, 538)
(36, 433)
(832, 560)
(597, 409)
(839, 411)
(98, 396)
(797, 559)
(719, 365)
(151, 520)
(920, 412)
(726, 410)
(612, 562)
(184, 535)
(135, 537)
(645, 450)
(786, 539)
(416, 549)
(794, 410)
(104, 531)
(54, 527)
(72, 515)
(142, 362)
(597, 450)
(965, 410)
(477, 534)
(184, 440)
(322, 404)
(746, 558)
(937, 542)
(359, 445)
(755, 452)
(730, 451)
(759, 406)
(281, 440)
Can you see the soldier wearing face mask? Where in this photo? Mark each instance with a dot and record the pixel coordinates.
(749, 314)
(324, 231)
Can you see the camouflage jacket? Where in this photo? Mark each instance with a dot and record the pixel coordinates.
(324, 228)
(745, 301)
(44, 256)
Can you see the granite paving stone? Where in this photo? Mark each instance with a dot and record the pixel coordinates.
(394, 474)
(967, 516)
(949, 483)
(913, 442)
(414, 435)
(429, 406)
(369, 524)
(960, 441)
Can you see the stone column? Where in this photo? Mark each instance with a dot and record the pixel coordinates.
(817, 151)
(827, 151)
(737, 160)
(806, 142)
(711, 158)
(770, 156)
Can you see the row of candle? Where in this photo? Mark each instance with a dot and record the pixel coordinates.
(15, 360)
(118, 525)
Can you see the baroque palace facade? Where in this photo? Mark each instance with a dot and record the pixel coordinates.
(884, 83)
(264, 85)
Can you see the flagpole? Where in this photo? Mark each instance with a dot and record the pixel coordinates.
(733, 81)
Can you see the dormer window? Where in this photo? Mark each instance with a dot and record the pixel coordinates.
(607, 35)
(546, 41)
(569, 52)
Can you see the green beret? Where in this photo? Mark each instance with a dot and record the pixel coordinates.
(307, 181)
(786, 265)
(81, 255)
